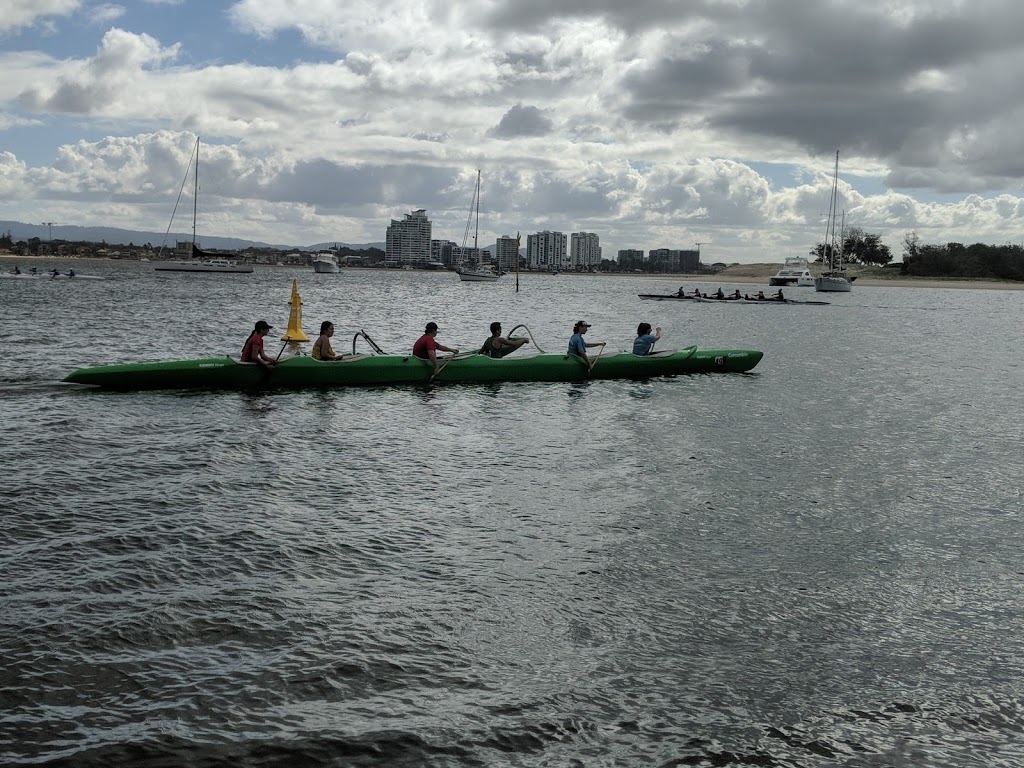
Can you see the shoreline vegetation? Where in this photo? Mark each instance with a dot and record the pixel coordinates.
(756, 274)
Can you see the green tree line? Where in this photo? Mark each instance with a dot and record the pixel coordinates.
(858, 247)
(999, 262)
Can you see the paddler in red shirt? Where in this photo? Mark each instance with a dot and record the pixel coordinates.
(252, 352)
(426, 346)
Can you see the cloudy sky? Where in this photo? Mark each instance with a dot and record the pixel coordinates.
(654, 123)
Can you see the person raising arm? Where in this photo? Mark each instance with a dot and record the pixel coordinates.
(644, 341)
(426, 346)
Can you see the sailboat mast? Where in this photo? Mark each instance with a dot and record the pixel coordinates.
(195, 198)
(476, 231)
(830, 226)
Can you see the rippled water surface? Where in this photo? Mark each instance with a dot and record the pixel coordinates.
(815, 564)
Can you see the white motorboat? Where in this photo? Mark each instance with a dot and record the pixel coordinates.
(325, 263)
(795, 271)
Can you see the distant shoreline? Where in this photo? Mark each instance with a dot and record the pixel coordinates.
(746, 274)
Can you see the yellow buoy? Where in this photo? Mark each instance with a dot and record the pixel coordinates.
(294, 332)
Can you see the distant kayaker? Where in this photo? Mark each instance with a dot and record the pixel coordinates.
(736, 295)
(644, 341)
(71, 273)
(17, 271)
(252, 352)
(719, 294)
(778, 296)
(577, 346)
(322, 349)
(760, 296)
(55, 273)
(426, 346)
(497, 345)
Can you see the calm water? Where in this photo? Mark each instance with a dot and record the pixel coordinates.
(815, 564)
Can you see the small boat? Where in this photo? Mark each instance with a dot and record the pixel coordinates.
(834, 279)
(723, 300)
(475, 271)
(50, 275)
(666, 297)
(381, 369)
(795, 271)
(770, 300)
(199, 260)
(326, 263)
(477, 274)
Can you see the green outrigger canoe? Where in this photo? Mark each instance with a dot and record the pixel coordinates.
(386, 369)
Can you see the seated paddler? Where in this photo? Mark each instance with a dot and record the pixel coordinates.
(253, 352)
(643, 344)
(322, 349)
(497, 345)
(427, 346)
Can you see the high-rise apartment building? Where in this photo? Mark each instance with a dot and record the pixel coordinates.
(584, 251)
(408, 241)
(506, 253)
(546, 251)
(673, 260)
(630, 259)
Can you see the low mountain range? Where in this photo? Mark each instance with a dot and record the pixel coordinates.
(113, 236)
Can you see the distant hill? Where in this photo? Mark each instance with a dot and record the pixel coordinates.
(113, 236)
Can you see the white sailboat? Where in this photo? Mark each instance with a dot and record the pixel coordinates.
(834, 279)
(200, 260)
(475, 271)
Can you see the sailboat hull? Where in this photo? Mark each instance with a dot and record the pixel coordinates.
(213, 265)
(832, 284)
(478, 277)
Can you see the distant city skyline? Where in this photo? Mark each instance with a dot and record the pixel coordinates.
(651, 124)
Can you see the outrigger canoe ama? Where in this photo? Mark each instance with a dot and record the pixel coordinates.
(387, 369)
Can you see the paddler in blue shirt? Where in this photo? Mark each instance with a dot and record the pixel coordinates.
(577, 346)
(644, 341)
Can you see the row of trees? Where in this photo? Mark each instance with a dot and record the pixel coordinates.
(999, 262)
(991, 262)
(858, 247)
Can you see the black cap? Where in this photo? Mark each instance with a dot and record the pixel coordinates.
(263, 325)
(581, 324)
(431, 327)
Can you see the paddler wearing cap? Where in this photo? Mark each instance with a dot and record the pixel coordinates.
(426, 346)
(252, 352)
(577, 346)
